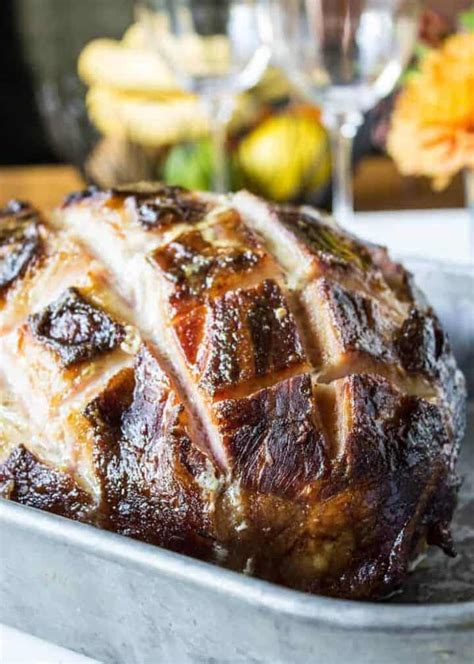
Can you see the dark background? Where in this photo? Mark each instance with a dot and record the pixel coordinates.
(39, 44)
(21, 136)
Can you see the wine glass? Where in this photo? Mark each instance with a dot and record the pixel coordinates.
(214, 49)
(345, 55)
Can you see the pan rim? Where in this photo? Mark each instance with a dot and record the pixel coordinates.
(331, 612)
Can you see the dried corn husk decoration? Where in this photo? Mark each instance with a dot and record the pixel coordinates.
(134, 96)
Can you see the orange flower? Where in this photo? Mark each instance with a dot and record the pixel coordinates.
(432, 129)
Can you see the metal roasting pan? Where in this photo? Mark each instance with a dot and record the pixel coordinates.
(124, 601)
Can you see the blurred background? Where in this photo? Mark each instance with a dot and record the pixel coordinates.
(69, 97)
(40, 42)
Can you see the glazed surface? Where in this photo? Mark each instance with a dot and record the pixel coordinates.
(232, 380)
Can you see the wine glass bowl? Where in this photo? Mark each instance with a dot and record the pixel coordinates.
(214, 49)
(210, 45)
(345, 55)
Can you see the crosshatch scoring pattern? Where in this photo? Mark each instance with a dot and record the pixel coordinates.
(229, 379)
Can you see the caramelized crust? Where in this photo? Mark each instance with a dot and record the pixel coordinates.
(294, 412)
(75, 329)
(273, 438)
(347, 322)
(159, 206)
(248, 334)
(210, 262)
(152, 206)
(328, 246)
(309, 245)
(424, 349)
(64, 348)
(168, 206)
(356, 333)
(20, 242)
(397, 449)
(147, 466)
(62, 334)
(387, 431)
(26, 480)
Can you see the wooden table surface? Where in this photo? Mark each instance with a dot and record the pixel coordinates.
(377, 186)
(44, 186)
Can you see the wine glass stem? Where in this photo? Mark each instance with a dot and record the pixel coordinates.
(219, 109)
(342, 128)
(469, 188)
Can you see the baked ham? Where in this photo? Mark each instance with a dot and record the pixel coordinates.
(229, 379)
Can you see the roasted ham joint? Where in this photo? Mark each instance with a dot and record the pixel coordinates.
(229, 379)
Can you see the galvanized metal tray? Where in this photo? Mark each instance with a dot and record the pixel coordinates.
(119, 600)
